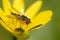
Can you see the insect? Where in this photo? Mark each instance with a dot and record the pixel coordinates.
(22, 17)
(25, 19)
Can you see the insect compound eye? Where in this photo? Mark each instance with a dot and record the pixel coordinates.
(28, 21)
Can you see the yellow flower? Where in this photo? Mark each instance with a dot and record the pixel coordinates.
(11, 16)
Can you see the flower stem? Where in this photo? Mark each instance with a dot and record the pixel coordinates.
(14, 38)
(23, 36)
(20, 38)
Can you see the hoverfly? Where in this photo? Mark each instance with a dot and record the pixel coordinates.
(22, 17)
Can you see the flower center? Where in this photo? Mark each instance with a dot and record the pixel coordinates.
(22, 23)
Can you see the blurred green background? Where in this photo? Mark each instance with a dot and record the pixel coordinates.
(50, 31)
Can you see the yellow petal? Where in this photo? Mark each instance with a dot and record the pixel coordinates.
(10, 24)
(18, 5)
(1, 12)
(42, 18)
(33, 9)
(24, 26)
(6, 5)
(4, 21)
